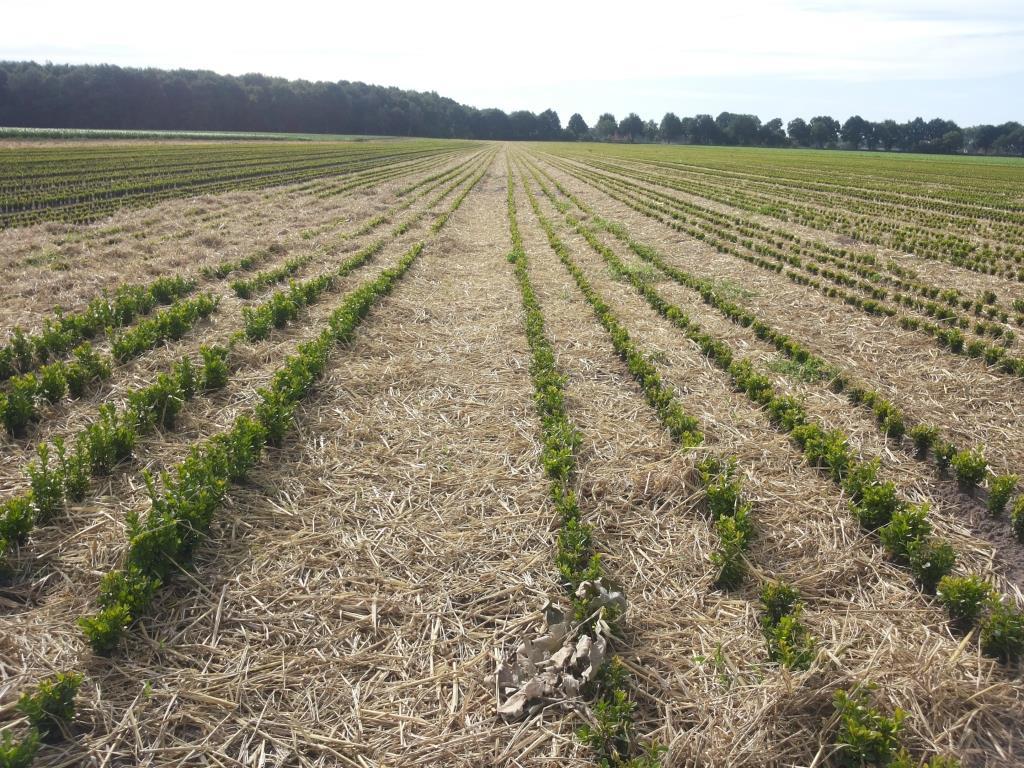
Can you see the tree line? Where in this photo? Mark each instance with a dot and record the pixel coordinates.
(821, 132)
(110, 97)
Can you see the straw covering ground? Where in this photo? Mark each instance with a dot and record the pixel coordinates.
(391, 453)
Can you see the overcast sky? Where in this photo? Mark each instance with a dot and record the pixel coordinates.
(879, 58)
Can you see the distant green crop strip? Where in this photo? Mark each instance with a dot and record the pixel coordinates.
(85, 184)
(943, 237)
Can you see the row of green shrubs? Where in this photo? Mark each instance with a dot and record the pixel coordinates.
(969, 465)
(865, 736)
(611, 736)
(789, 641)
(730, 513)
(169, 325)
(24, 353)
(25, 393)
(284, 306)
(183, 502)
(247, 288)
(902, 528)
(950, 339)
(61, 474)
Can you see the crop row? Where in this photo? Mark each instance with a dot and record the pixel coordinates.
(284, 306)
(82, 197)
(161, 402)
(876, 216)
(24, 353)
(19, 405)
(612, 736)
(788, 641)
(65, 332)
(867, 266)
(185, 499)
(931, 237)
(766, 257)
(903, 528)
(969, 464)
(181, 511)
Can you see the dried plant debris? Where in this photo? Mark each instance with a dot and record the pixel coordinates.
(554, 666)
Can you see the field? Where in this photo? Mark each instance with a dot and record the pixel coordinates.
(414, 452)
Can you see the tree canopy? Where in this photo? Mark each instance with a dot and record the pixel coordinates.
(106, 96)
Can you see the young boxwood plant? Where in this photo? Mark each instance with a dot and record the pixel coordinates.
(1000, 490)
(970, 467)
(965, 598)
(18, 753)
(789, 642)
(732, 520)
(866, 735)
(51, 707)
(1017, 519)
(1002, 633)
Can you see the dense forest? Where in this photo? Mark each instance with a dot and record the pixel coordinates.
(106, 96)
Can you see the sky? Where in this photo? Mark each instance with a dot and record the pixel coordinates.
(878, 58)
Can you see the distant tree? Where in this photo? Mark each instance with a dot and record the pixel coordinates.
(799, 132)
(705, 131)
(671, 129)
(914, 133)
(106, 96)
(870, 134)
(824, 131)
(578, 126)
(550, 127)
(688, 126)
(632, 127)
(524, 125)
(605, 127)
(739, 129)
(888, 134)
(983, 136)
(854, 131)
(1011, 140)
(772, 134)
(951, 142)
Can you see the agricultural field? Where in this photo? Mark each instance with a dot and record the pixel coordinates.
(409, 452)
